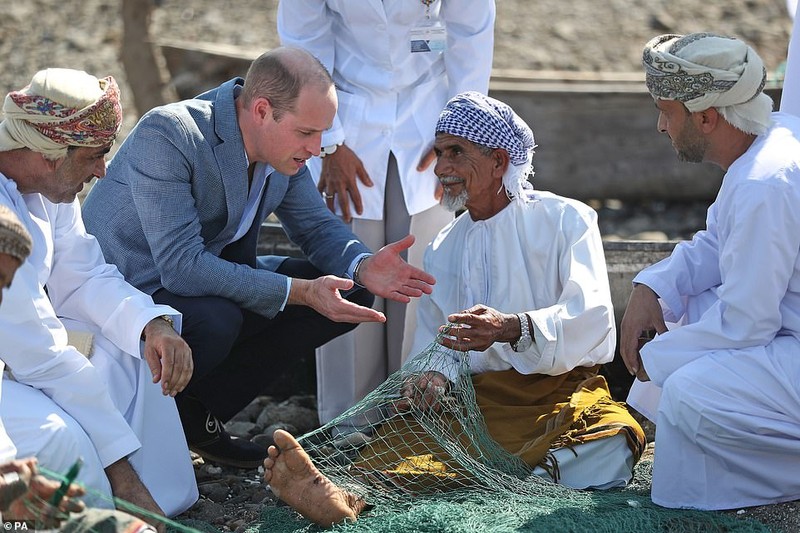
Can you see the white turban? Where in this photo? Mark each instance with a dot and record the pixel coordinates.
(61, 108)
(703, 70)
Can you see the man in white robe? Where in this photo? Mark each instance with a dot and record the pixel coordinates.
(15, 247)
(728, 366)
(25, 495)
(523, 289)
(113, 406)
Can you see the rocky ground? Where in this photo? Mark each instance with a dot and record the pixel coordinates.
(575, 35)
(233, 499)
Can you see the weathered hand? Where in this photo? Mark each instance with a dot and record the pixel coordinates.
(33, 505)
(337, 180)
(477, 328)
(25, 468)
(387, 275)
(426, 160)
(168, 356)
(424, 390)
(324, 296)
(642, 317)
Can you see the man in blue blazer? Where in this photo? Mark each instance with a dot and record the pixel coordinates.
(179, 213)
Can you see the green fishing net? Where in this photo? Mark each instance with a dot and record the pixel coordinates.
(425, 469)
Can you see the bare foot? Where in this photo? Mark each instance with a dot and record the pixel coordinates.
(294, 479)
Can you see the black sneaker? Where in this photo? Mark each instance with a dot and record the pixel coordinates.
(207, 438)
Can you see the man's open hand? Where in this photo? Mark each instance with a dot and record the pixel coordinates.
(387, 275)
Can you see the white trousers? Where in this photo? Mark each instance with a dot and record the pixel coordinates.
(352, 365)
(38, 427)
(728, 426)
(599, 464)
(728, 430)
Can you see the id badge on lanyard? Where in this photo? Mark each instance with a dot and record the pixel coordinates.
(430, 35)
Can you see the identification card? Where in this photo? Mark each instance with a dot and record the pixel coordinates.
(432, 38)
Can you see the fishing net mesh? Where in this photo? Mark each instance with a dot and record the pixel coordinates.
(387, 448)
(434, 467)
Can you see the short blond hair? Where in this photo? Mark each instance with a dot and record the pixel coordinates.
(279, 74)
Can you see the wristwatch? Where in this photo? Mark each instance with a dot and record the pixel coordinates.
(525, 340)
(165, 318)
(328, 150)
(168, 320)
(357, 272)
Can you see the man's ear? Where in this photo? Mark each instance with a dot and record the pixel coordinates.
(52, 164)
(500, 160)
(262, 108)
(708, 120)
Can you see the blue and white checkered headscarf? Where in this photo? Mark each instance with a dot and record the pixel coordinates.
(489, 122)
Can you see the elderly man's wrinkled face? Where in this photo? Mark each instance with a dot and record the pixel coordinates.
(687, 139)
(72, 172)
(466, 172)
(8, 266)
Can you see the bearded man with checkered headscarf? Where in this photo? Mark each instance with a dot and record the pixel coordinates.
(113, 403)
(523, 287)
(721, 378)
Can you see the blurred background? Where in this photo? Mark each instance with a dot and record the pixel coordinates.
(540, 35)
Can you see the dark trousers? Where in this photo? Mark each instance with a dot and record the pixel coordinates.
(239, 355)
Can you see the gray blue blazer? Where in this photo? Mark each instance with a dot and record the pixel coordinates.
(174, 195)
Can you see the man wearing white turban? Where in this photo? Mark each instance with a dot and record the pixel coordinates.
(522, 284)
(721, 378)
(113, 405)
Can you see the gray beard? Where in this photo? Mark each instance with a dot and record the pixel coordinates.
(455, 203)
